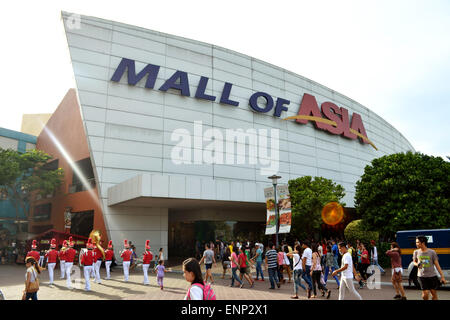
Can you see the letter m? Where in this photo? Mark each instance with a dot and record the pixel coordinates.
(134, 78)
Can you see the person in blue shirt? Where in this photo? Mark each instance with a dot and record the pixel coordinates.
(335, 251)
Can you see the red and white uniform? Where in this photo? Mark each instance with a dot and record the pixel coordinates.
(62, 262)
(34, 254)
(147, 256)
(126, 256)
(87, 259)
(51, 256)
(70, 256)
(98, 258)
(97, 255)
(109, 254)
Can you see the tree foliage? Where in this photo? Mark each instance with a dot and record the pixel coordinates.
(355, 231)
(308, 197)
(22, 174)
(404, 191)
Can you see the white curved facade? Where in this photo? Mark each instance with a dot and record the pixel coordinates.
(129, 128)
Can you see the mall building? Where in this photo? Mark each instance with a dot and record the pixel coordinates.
(160, 117)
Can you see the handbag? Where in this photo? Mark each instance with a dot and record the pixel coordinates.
(33, 286)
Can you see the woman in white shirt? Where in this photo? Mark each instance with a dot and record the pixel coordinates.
(295, 255)
(31, 278)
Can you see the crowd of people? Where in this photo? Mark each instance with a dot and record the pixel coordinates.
(311, 262)
(314, 261)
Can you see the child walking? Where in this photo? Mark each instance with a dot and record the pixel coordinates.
(160, 270)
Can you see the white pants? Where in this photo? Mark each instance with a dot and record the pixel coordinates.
(349, 284)
(87, 274)
(98, 264)
(51, 267)
(41, 261)
(108, 269)
(145, 269)
(126, 269)
(69, 266)
(62, 266)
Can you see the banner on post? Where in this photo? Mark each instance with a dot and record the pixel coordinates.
(284, 209)
(270, 206)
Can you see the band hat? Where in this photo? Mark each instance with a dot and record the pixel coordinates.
(110, 244)
(34, 244)
(53, 243)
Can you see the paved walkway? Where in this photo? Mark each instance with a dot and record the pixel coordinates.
(12, 283)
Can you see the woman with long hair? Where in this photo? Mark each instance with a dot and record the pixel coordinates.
(31, 279)
(316, 273)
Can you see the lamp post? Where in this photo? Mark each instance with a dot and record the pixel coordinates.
(274, 179)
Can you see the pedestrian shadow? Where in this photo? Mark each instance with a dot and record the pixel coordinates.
(124, 289)
(101, 295)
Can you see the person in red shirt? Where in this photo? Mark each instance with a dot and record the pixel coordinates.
(126, 256)
(87, 260)
(242, 259)
(70, 256)
(98, 258)
(146, 258)
(365, 263)
(62, 258)
(33, 253)
(51, 256)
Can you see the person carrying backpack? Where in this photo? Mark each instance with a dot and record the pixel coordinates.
(193, 274)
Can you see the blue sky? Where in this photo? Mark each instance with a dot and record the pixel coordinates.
(391, 56)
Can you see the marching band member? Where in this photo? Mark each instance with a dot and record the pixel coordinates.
(109, 254)
(62, 258)
(146, 258)
(98, 258)
(87, 259)
(33, 252)
(51, 256)
(70, 256)
(126, 256)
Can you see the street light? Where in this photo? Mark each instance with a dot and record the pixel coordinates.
(274, 179)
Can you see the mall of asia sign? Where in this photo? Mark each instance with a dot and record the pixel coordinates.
(329, 117)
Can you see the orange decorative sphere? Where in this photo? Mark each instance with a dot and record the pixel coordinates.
(332, 213)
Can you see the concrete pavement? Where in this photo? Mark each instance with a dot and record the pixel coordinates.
(12, 279)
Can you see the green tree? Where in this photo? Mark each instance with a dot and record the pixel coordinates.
(22, 174)
(308, 197)
(355, 231)
(404, 191)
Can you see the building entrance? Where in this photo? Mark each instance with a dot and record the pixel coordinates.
(188, 239)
